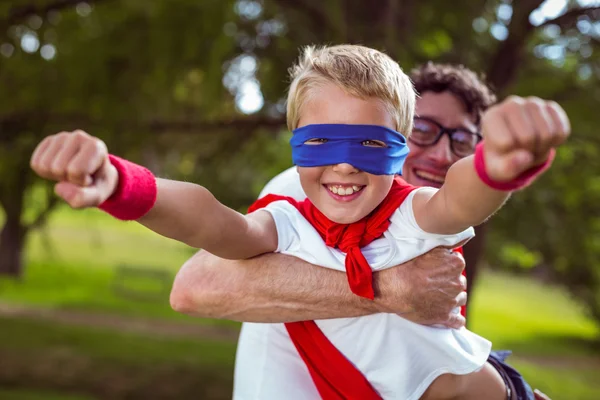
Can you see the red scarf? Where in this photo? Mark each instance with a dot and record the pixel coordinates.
(335, 377)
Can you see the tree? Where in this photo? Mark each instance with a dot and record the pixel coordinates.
(114, 70)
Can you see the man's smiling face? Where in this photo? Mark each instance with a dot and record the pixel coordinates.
(428, 165)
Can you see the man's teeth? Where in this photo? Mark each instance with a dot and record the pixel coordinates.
(429, 177)
(344, 190)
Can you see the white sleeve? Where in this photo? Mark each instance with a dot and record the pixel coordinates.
(291, 226)
(283, 215)
(404, 223)
(286, 183)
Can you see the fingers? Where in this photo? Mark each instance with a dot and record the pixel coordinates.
(496, 132)
(84, 164)
(69, 156)
(35, 161)
(543, 127)
(455, 321)
(78, 196)
(463, 284)
(515, 163)
(520, 122)
(519, 134)
(561, 122)
(64, 154)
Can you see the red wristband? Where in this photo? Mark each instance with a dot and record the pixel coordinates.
(520, 182)
(135, 194)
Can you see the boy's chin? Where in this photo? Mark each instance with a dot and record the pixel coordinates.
(344, 218)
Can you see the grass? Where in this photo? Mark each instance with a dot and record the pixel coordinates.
(24, 394)
(107, 364)
(77, 264)
(90, 262)
(523, 315)
(115, 347)
(554, 344)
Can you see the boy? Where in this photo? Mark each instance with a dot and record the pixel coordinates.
(347, 106)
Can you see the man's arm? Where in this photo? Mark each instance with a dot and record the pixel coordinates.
(280, 288)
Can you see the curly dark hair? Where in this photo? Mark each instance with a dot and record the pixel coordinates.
(471, 88)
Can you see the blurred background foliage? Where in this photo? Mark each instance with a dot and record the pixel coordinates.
(195, 90)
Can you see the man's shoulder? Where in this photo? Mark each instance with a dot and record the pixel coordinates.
(286, 183)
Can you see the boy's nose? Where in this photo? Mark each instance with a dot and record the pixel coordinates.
(345, 168)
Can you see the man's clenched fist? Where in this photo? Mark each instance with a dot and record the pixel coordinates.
(80, 164)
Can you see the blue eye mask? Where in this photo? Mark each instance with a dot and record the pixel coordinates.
(345, 144)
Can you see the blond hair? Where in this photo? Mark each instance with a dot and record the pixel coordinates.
(359, 71)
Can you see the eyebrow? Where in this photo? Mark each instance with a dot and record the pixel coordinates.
(461, 126)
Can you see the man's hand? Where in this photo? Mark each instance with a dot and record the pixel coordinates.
(425, 290)
(80, 164)
(519, 134)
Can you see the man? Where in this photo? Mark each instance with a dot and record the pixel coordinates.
(278, 288)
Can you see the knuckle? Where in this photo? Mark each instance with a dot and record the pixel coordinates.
(76, 202)
(535, 100)
(100, 146)
(35, 165)
(514, 100)
(57, 170)
(75, 173)
(553, 104)
(80, 133)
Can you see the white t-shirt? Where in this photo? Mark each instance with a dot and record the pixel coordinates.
(398, 357)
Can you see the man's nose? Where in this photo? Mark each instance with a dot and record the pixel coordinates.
(441, 152)
(345, 169)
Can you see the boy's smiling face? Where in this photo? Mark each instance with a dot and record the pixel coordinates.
(342, 192)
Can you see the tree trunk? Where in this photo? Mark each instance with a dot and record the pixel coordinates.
(12, 237)
(11, 246)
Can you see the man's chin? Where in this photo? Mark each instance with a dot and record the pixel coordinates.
(425, 182)
(416, 180)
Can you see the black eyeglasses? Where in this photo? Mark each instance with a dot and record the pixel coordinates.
(427, 132)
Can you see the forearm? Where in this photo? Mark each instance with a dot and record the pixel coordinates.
(463, 201)
(269, 288)
(190, 214)
(483, 384)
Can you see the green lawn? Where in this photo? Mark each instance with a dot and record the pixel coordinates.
(75, 264)
(105, 364)
(88, 261)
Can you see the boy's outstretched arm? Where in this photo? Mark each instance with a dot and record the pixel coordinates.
(190, 214)
(519, 135)
(186, 212)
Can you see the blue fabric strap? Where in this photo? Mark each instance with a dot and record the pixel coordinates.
(345, 144)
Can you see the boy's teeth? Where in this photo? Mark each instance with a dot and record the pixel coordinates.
(344, 191)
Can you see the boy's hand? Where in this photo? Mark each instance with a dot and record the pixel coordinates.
(80, 164)
(519, 134)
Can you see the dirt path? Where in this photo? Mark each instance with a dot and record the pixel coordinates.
(161, 328)
(143, 326)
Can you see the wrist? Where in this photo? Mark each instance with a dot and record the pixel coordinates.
(134, 193)
(383, 302)
(520, 182)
